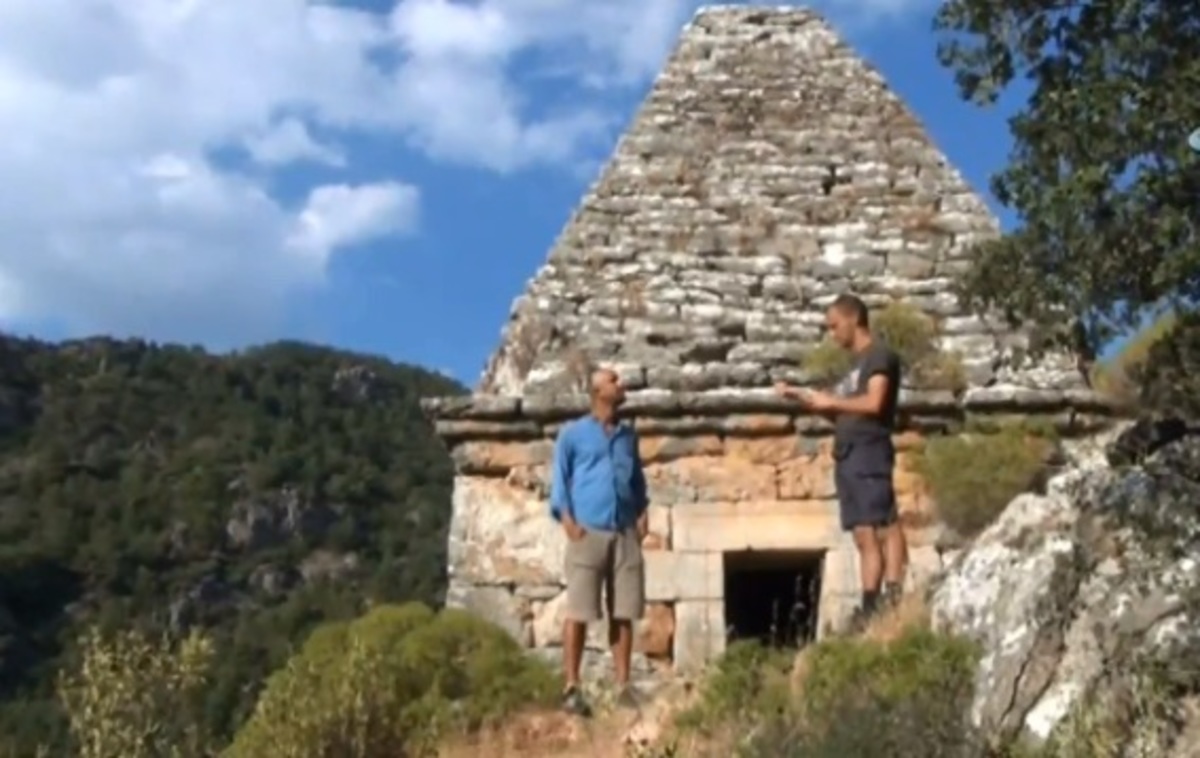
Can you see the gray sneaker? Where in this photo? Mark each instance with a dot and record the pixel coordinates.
(574, 703)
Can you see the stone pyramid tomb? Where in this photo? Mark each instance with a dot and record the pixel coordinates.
(769, 169)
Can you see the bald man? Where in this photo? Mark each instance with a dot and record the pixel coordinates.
(598, 494)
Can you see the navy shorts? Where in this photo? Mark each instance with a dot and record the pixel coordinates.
(863, 476)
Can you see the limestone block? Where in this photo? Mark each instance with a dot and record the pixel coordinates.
(662, 449)
(532, 479)
(772, 450)
(653, 543)
(699, 633)
(659, 536)
(495, 604)
(924, 563)
(498, 458)
(841, 588)
(905, 479)
(709, 479)
(546, 624)
(503, 535)
(760, 525)
(758, 425)
(684, 576)
(807, 478)
(655, 634)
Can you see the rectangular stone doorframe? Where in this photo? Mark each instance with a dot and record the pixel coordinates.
(840, 587)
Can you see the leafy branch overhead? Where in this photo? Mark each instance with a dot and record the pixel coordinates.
(1100, 175)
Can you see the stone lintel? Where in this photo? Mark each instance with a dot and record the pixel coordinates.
(748, 412)
(764, 525)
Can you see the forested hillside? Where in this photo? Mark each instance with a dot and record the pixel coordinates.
(161, 486)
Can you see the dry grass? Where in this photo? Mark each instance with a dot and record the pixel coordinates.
(911, 612)
(545, 734)
(551, 734)
(611, 733)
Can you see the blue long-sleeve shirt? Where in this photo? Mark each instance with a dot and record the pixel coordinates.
(597, 476)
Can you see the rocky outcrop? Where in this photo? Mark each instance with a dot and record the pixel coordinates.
(1085, 598)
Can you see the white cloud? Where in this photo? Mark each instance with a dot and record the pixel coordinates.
(290, 141)
(119, 218)
(339, 214)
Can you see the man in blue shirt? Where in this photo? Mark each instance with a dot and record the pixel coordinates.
(598, 494)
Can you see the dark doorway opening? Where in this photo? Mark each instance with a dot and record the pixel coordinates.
(772, 596)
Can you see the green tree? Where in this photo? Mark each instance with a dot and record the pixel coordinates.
(159, 488)
(1100, 173)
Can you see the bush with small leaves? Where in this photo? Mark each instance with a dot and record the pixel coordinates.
(133, 696)
(1168, 380)
(915, 338)
(747, 684)
(907, 698)
(393, 682)
(827, 362)
(1116, 376)
(972, 477)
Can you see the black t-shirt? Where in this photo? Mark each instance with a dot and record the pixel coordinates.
(852, 427)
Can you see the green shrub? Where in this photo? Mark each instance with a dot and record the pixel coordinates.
(1037, 427)
(391, 683)
(1168, 380)
(912, 334)
(137, 697)
(1117, 376)
(827, 362)
(973, 477)
(908, 698)
(748, 683)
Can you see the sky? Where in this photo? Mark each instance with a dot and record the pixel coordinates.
(380, 175)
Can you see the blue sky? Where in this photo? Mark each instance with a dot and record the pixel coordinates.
(380, 176)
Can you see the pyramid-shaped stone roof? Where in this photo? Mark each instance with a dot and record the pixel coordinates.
(769, 169)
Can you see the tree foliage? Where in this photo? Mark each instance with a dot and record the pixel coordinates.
(164, 488)
(1100, 174)
(394, 682)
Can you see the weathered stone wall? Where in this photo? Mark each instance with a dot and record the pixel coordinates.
(727, 471)
(769, 170)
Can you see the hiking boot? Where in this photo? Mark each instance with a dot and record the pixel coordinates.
(574, 703)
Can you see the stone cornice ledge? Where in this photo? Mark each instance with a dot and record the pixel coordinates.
(543, 409)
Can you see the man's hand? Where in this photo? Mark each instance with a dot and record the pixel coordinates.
(785, 390)
(818, 401)
(643, 526)
(574, 531)
(813, 400)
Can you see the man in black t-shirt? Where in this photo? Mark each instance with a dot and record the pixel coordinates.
(863, 406)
